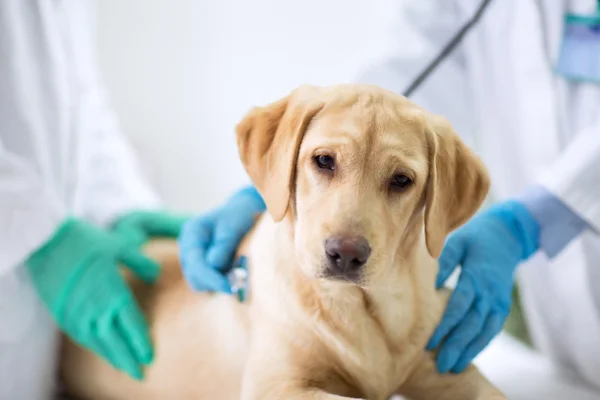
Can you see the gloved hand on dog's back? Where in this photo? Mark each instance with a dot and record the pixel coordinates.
(488, 248)
(76, 274)
(207, 243)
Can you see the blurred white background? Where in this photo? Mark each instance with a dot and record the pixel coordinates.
(182, 73)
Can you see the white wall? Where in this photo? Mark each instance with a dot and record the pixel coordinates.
(181, 74)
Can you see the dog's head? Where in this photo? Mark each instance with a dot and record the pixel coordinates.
(361, 173)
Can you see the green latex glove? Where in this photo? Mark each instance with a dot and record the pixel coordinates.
(76, 274)
(137, 227)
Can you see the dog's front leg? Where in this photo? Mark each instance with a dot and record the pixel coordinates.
(293, 394)
(426, 383)
(263, 382)
(276, 392)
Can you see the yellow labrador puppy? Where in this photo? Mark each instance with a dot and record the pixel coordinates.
(362, 187)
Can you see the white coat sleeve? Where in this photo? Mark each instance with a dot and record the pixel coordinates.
(30, 210)
(112, 182)
(417, 33)
(575, 177)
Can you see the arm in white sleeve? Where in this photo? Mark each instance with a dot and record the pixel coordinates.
(30, 210)
(112, 182)
(558, 223)
(567, 200)
(575, 177)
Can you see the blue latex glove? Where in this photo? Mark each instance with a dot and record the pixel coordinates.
(488, 248)
(207, 244)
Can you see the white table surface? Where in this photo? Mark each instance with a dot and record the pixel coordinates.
(523, 374)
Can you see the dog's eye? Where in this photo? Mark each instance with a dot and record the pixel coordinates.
(401, 181)
(325, 162)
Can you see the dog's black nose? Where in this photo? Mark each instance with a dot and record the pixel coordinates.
(346, 254)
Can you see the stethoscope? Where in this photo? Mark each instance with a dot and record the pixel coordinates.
(446, 50)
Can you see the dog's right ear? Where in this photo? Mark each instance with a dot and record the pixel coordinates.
(269, 139)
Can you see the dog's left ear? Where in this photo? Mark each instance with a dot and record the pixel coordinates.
(268, 141)
(457, 186)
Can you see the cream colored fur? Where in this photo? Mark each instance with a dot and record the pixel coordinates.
(302, 335)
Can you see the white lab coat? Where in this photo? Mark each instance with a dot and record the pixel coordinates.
(530, 126)
(61, 153)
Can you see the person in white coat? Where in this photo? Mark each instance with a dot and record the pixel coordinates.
(73, 203)
(511, 91)
(523, 89)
